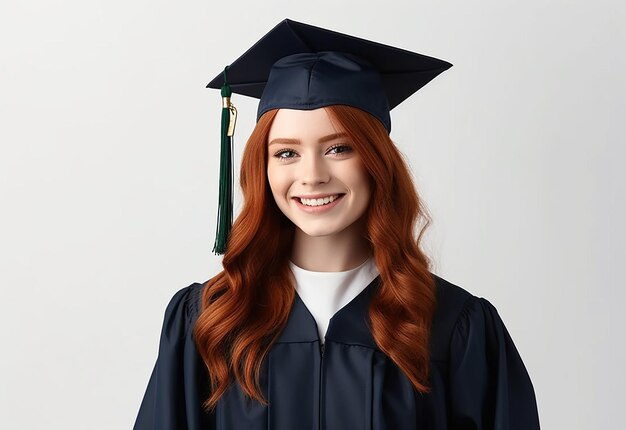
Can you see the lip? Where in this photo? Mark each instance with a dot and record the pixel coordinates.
(318, 209)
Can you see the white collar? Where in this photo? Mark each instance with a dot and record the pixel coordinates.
(324, 293)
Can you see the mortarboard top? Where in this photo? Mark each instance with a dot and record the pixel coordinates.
(300, 66)
(401, 72)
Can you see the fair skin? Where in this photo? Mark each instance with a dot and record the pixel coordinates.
(308, 156)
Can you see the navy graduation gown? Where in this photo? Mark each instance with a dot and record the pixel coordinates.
(478, 379)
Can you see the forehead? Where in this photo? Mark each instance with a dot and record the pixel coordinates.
(303, 124)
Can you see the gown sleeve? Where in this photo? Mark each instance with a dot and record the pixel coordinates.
(490, 386)
(178, 383)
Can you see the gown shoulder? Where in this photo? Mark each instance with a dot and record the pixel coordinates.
(179, 382)
(489, 386)
(451, 300)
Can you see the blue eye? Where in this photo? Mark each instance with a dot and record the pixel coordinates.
(280, 153)
(347, 149)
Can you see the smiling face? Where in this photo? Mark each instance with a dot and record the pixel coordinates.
(308, 157)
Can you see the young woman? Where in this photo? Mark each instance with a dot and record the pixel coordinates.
(326, 315)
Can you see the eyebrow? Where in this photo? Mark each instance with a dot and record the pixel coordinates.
(297, 142)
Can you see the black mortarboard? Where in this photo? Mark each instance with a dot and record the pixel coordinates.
(299, 66)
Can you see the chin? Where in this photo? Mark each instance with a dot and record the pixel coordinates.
(319, 232)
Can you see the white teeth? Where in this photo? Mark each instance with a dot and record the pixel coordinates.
(319, 202)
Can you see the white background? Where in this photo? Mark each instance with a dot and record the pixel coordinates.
(108, 183)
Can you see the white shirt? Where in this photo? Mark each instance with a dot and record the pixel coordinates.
(324, 293)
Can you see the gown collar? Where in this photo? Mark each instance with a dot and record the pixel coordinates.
(348, 325)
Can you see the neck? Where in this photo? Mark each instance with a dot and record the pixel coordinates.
(332, 253)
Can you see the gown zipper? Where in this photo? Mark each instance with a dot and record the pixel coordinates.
(321, 388)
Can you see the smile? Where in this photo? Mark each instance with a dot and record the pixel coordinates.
(319, 202)
(318, 205)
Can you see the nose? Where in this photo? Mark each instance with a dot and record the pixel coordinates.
(314, 171)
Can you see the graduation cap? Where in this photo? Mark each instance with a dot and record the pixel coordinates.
(300, 66)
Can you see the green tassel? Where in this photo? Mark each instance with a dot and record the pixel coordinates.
(225, 203)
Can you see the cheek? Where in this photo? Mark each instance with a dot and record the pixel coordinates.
(361, 181)
(364, 193)
(277, 181)
(271, 177)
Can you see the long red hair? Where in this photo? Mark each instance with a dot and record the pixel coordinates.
(246, 306)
